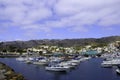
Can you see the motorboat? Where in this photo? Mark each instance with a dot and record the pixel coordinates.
(68, 64)
(118, 71)
(55, 59)
(57, 68)
(85, 58)
(75, 61)
(72, 63)
(21, 59)
(106, 64)
(111, 63)
(40, 61)
(29, 60)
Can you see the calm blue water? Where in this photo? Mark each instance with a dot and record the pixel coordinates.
(88, 70)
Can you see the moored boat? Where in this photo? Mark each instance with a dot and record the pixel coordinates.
(40, 61)
(21, 59)
(106, 64)
(57, 68)
(68, 64)
(110, 63)
(118, 71)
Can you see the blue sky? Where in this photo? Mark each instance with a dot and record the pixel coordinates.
(58, 19)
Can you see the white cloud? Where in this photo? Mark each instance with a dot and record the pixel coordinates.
(24, 11)
(36, 27)
(44, 15)
(87, 12)
(64, 7)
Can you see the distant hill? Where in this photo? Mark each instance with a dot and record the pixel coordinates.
(57, 42)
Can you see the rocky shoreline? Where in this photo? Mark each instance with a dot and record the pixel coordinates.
(7, 73)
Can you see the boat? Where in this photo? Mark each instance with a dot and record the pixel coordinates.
(68, 64)
(21, 59)
(57, 68)
(111, 63)
(55, 59)
(40, 61)
(85, 58)
(118, 71)
(28, 61)
(106, 64)
(72, 63)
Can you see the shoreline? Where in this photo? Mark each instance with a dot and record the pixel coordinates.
(7, 73)
(10, 56)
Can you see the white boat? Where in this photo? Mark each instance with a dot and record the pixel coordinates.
(72, 63)
(42, 61)
(55, 59)
(118, 71)
(28, 60)
(75, 61)
(21, 59)
(111, 62)
(68, 64)
(57, 68)
(85, 58)
(106, 64)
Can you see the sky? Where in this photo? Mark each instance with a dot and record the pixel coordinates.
(58, 19)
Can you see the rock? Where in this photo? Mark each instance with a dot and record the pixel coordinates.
(7, 73)
(2, 76)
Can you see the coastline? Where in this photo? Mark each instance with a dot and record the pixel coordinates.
(7, 73)
(8, 55)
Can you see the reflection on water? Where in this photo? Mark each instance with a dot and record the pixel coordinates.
(88, 70)
(57, 75)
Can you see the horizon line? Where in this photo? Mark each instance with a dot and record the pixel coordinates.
(60, 39)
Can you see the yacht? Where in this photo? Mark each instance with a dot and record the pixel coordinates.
(40, 61)
(85, 58)
(29, 60)
(118, 71)
(57, 68)
(106, 64)
(68, 64)
(72, 63)
(21, 59)
(111, 63)
(75, 61)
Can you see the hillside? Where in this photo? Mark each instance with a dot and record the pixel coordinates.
(57, 42)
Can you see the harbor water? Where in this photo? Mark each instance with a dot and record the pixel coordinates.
(87, 70)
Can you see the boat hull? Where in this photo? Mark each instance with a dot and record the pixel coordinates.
(106, 65)
(118, 71)
(56, 69)
(40, 63)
